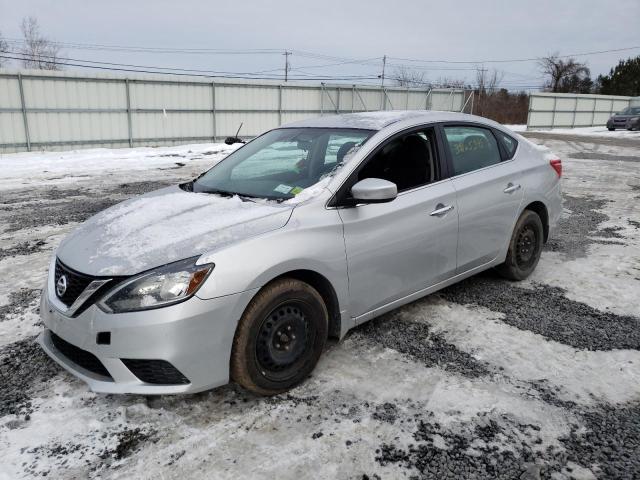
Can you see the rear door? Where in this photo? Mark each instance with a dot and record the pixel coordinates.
(397, 248)
(487, 182)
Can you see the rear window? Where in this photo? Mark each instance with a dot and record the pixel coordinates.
(509, 143)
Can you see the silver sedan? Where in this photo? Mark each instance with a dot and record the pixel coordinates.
(301, 234)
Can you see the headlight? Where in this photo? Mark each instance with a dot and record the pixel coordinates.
(160, 287)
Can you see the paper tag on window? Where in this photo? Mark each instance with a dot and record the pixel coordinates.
(296, 190)
(282, 188)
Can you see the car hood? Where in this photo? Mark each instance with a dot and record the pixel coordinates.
(165, 226)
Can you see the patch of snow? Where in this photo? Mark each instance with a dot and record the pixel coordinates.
(164, 226)
(592, 132)
(26, 168)
(583, 376)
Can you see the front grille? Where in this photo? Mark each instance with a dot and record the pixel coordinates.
(76, 283)
(80, 357)
(157, 372)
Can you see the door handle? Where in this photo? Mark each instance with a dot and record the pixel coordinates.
(441, 210)
(511, 188)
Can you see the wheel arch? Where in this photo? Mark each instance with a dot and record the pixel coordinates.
(541, 210)
(325, 289)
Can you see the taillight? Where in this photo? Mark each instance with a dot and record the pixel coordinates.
(557, 166)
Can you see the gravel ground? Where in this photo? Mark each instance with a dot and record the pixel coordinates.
(485, 379)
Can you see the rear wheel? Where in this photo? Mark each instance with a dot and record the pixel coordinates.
(280, 337)
(525, 247)
(611, 129)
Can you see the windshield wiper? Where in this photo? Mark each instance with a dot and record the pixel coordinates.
(225, 193)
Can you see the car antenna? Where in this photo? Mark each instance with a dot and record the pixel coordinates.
(236, 139)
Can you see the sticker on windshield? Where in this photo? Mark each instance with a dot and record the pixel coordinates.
(282, 188)
(296, 190)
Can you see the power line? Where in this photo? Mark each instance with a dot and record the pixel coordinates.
(518, 59)
(164, 70)
(124, 48)
(301, 53)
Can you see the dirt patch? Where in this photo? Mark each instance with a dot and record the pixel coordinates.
(23, 366)
(580, 228)
(19, 302)
(545, 310)
(418, 342)
(24, 248)
(604, 156)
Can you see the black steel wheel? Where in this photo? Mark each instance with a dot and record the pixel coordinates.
(280, 337)
(525, 247)
(283, 340)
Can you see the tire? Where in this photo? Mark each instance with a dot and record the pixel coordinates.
(525, 247)
(279, 338)
(611, 129)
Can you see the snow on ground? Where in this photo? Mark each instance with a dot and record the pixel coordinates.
(41, 168)
(487, 379)
(600, 131)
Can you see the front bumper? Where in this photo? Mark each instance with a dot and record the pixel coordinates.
(633, 123)
(194, 336)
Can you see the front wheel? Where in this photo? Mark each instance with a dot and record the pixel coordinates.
(525, 247)
(611, 129)
(279, 338)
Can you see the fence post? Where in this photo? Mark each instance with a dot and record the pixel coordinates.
(383, 100)
(406, 107)
(353, 96)
(338, 100)
(24, 114)
(553, 118)
(575, 107)
(611, 111)
(279, 104)
(126, 85)
(321, 99)
(213, 110)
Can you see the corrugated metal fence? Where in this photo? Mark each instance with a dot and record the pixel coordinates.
(556, 110)
(56, 110)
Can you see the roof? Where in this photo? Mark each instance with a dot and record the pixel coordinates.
(381, 119)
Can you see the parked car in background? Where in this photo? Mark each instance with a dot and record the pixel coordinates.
(301, 234)
(628, 118)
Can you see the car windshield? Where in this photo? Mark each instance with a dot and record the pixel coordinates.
(282, 163)
(630, 111)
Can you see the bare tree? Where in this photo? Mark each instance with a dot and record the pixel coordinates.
(38, 51)
(3, 49)
(560, 71)
(488, 80)
(405, 77)
(448, 82)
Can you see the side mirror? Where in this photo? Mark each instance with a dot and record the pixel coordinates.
(374, 190)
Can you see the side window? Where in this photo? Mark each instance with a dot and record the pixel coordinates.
(471, 148)
(509, 143)
(409, 161)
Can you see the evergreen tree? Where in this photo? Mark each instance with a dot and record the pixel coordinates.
(624, 79)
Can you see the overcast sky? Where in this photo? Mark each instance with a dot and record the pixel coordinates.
(361, 29)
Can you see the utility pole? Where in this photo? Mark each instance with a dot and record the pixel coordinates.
(384, 64)
(286, 65)
(482, 85)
